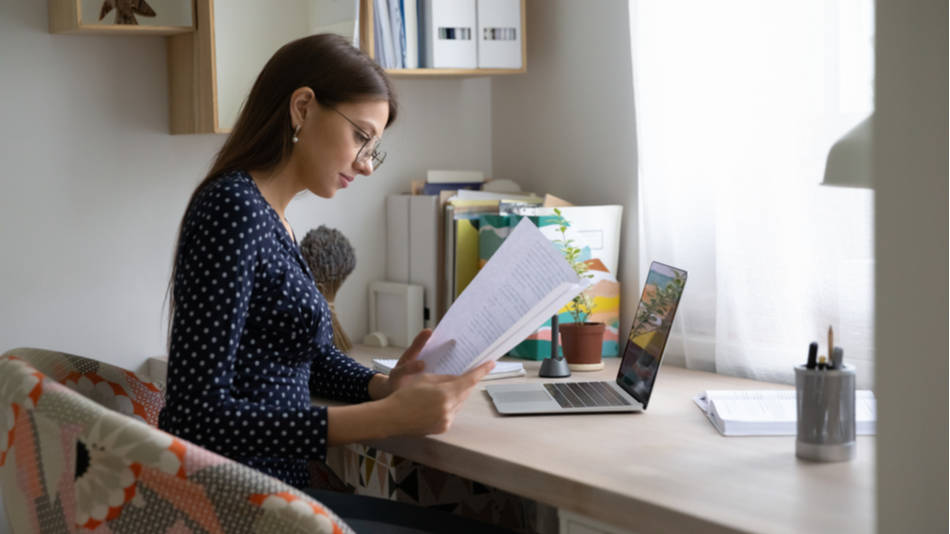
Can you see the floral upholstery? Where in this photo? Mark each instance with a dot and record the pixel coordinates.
(79, 452)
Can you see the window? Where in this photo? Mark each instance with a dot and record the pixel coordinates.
(737, 105)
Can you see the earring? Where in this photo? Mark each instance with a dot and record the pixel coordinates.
(294, 139)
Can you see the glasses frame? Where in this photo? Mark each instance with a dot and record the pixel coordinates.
(375, 157)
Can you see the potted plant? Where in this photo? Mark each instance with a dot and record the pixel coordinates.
(582, 341)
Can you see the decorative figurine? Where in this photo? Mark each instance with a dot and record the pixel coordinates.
(125, 10)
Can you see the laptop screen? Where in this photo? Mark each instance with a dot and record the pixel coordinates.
(651, 328)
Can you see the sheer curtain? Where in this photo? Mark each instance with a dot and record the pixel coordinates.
(738, 103)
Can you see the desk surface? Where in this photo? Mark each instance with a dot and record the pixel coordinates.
(666, 469)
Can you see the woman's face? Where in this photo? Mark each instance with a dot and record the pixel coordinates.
(325, 155)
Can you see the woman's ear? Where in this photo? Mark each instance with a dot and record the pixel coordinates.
(300, 102)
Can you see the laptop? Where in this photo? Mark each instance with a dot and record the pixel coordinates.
(630, 392)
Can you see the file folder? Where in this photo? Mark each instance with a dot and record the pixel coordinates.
(413, 247)
(424, 252)
(448, 27)
(397, 239)
(499, 34)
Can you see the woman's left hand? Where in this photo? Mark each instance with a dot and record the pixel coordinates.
(409, 367)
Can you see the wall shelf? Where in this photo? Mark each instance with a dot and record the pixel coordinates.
(198, 63)
(367, 43)
(68, 16)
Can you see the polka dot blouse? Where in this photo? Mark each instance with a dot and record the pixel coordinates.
(251, 338)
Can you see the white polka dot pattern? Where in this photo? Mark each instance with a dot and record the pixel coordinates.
(251, 338)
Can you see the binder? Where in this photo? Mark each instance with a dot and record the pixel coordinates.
(412, 247)
(448, 27)
(499, 34)
(410, 18)
(383, 34)
(398, 34)
(397, 239)
(424, 252)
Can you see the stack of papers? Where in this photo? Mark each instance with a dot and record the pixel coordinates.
(524, 283)
(501, 370)
(771, 412)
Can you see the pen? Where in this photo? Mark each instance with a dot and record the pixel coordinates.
(837, 358)
(812, 355)
(831, 341)
(822, 365)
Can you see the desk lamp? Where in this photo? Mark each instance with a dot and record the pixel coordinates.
(556, 365)
(849, 160)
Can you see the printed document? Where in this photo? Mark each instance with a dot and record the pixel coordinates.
(501, 370)
(525, 282)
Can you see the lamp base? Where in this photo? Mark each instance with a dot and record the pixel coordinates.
(554, 368)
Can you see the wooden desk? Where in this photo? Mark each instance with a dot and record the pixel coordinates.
(664, 470)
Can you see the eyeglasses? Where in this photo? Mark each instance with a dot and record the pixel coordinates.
(369, 151)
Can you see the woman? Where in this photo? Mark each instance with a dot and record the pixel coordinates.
(251, 336)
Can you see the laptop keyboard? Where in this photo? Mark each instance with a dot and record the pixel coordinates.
(585, 394)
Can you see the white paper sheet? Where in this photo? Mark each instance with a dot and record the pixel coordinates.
(524, 283)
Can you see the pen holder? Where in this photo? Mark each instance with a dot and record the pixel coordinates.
(826, 423)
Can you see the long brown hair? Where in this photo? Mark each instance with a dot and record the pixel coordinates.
(328, 64)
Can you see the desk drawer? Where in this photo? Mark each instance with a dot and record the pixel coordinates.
(571, 523)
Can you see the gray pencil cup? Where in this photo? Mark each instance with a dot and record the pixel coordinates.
(825, 401)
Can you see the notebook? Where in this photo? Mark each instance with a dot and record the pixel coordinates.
(501, 370)
(771, 412)
(630, 392)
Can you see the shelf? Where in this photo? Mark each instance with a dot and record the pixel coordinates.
(367, 44)
(115, 29)
(444, 73)
(66, 17)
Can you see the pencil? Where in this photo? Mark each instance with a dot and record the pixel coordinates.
(831, 341)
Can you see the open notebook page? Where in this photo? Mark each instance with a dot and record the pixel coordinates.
(525, 282)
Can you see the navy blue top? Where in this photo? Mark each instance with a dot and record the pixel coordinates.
(252, 338)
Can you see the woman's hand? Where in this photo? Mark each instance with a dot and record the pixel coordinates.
(407, 368)
(410, 402)
(428, 403)
(409, 365)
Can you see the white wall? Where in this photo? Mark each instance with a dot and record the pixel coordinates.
(910, 173)
(441, 124)
(566, 127)
(94, 186)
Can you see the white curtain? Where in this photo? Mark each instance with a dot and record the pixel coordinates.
(737, 104)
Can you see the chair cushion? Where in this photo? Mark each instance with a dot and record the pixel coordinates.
(109, 385)
(68, 464)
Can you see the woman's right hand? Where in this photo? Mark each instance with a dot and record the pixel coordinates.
(428, 405)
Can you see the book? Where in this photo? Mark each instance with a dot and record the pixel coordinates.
(771, 412)
(501, 370)
(437, 176)
(434, 188)
(474, 194)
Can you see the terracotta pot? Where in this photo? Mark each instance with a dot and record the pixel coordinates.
(582, 344)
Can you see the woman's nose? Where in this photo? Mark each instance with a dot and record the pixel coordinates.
(363, 167)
